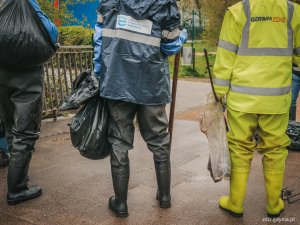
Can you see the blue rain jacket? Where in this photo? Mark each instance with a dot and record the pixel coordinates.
(168, 48)
(98, 42)
(3, 145)
(133, 65)
(50, 27)
(98, 46)
(296, 70)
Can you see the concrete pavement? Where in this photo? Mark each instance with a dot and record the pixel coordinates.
(76, 190)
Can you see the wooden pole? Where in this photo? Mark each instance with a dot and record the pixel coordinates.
(210, 74)
(174, 91)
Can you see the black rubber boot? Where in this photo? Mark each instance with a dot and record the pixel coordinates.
(17, 185)
(163, 176)
(118, 202)
(293, 113)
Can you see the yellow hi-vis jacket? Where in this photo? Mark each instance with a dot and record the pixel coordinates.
(259, 40)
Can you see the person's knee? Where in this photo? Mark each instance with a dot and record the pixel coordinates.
(161, 154)
(20, 157)
(119, 158)
(274, 159)
(119, 137)
(156, 140)
(22, 147)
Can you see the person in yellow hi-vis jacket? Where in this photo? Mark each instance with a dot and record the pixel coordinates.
(259, 41)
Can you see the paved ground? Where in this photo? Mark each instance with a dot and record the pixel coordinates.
(76, 189)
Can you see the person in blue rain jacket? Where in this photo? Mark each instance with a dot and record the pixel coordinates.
(295, 92)
(3, 147)
(21, 109)
(133, 40)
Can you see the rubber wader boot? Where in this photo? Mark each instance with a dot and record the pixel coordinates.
(275, 205)
(118, 202)
(233, 204)
(163, 176)
(292, 116)
(17, 185)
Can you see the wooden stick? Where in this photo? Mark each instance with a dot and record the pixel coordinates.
(174, 91)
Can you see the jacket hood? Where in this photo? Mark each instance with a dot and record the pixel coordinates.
(142, 9)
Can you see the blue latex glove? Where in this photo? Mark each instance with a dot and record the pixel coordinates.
(173, 47)
(50, 27)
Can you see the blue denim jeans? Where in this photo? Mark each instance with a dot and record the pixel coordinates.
(295, 89)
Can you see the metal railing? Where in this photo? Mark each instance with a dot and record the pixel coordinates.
(60, 72)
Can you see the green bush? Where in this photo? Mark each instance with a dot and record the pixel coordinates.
(75, 35)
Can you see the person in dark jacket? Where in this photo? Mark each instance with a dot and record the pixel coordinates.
(21, 109)
(3, 147)
(132, 42)
(295, 92)
(3, 153)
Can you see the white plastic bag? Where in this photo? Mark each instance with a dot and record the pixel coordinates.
(212, 123)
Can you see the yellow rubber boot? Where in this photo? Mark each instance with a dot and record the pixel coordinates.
(275, 204)
(241, 145)
(233, 203)
(272, 146)
(274, 167)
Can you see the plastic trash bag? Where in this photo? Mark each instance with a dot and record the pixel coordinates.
(212, 124)
(293, 131)
(89, 129)
(85, 86)
(24, 41)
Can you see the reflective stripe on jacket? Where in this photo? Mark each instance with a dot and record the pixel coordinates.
(133, 69)
(258, 41)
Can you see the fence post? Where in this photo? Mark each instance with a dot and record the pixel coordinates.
(60, 76)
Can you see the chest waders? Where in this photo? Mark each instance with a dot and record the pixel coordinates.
(136, 82)
(21, 110)
(270, 127)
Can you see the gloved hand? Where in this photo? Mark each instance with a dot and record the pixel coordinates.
(222, 99)
(224, 103)
(184, 36)
(173, 47)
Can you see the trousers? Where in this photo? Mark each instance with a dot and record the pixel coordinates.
(153, 124)
(21, 110)
(272, 144)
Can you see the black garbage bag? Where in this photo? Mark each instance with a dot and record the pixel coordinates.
(89, 129)
(293, 131)
(24, 41)
(85, 86)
